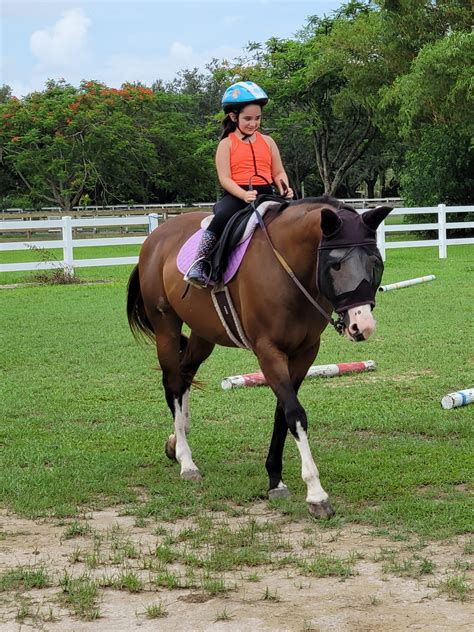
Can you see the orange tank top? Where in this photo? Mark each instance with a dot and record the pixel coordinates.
(242, 164)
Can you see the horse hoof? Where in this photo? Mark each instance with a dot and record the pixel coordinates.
(191, 475)
(278, 492)
(170, 448)
(322, 510)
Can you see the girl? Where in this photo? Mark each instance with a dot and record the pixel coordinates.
(246, 161)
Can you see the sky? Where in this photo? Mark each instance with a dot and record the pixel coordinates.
(117, 41)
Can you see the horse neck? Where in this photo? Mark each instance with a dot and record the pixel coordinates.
(298, 240)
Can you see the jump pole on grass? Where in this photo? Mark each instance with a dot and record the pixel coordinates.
(400, 284)
(322, 370)
(459, 398)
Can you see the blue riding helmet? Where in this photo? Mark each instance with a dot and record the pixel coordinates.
(243, 93)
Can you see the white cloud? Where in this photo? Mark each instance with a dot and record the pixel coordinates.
(232, 20)
(181, 51)
(65, 43)
(118, 69)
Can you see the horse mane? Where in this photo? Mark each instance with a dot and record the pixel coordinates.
(325, 199)
(322, 199)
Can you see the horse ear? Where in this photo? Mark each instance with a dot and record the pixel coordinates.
(330, 222)
(375, 216)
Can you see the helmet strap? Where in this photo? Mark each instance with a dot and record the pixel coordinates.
(244, 136)
(237, 126)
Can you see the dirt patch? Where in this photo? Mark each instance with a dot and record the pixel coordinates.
(176, 576)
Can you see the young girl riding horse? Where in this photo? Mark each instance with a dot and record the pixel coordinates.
(246, 161)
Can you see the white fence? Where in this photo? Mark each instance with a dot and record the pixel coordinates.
(67, 243)
(164, 208)
(148, 222)
(441, 225)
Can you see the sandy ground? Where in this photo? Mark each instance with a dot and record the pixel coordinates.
(372, 599)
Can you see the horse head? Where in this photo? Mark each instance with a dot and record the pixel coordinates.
(350, 266)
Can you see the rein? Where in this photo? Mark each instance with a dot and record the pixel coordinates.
(337, 324)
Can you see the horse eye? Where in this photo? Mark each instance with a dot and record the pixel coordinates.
(336, 266)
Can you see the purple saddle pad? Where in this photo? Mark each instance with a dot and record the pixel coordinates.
(187, 255)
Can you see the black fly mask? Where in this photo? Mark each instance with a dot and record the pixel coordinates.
(350, 266)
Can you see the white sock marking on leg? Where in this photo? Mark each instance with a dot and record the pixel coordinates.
(185, 409)
(309, 471)
(183, 451)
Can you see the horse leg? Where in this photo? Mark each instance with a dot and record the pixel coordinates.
(192, 355)
(170, 344)
(317, 499)
(170, 446)
(275, 366)
(274, 462)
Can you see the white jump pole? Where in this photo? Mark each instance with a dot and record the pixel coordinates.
(400, 284)
(459, 398)
(322, 370)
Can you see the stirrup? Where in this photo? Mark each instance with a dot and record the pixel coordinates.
(199, 281)
(199, 284)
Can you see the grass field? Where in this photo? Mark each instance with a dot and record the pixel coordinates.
(84, 421)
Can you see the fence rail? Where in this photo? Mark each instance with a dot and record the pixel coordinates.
(65, 225)
(165, 209)
(442, 225)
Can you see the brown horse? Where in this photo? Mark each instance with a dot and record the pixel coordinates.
(331, 251)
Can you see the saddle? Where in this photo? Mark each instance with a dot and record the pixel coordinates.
(238, 228)
(225, 258)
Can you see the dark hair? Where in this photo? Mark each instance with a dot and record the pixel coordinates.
(228, 125)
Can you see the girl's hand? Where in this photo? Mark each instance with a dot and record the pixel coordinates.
(250, 196)
(285, 190)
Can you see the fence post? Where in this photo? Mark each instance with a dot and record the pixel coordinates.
(68, 255)
(381, 239)
(152, 221)
(442, 233)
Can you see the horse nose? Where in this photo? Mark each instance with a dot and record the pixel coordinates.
(361, 323)
(356, 335)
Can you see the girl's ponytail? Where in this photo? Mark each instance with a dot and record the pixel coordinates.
(228, 126)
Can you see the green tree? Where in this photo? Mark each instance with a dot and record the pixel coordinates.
(433, 105)
(438, 88)
(64, 142)
(411, 24)
(204, 88)
(439, 169)
(185, 148)
(5, 93)
(126, 165)
(329, 80)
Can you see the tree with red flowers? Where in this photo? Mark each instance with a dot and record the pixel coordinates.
(66, 141)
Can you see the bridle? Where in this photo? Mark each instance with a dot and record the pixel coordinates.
(337, 324)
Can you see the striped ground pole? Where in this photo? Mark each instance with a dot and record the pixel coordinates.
(459, 398)
(400, 284)
(322, 370)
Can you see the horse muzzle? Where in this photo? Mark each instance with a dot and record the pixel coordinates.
(359, 324)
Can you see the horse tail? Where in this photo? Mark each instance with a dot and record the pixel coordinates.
(137, 318)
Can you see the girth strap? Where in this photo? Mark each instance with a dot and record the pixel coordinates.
(228, 316)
